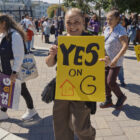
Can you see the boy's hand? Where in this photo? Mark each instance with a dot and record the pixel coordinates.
(53, 50)
(106, 60)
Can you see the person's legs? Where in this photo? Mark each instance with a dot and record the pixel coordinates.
(121, 77)
(29, 102)
(111, 81)
(81, 121)
(26, 95)
(28, 45)
(32, 43)
(108, 102)
(61, 120)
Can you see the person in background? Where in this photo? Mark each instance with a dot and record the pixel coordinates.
(94, 25)
(47, 31)
(71, 117)
(116, 44)
(132, 30)
(12, 38)
(55, 22)
(86, 21)
(60, 25)
(138, 30)
(124, 21)
(28, 26)
(41, 27)
(44, 25)
(37, 24)
(139, 20)
(22, 22)
(34, 32)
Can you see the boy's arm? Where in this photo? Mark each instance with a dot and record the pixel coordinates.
(51, 59)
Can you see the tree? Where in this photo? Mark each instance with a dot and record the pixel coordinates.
(121, 5)
(84, 5)
(53, 9)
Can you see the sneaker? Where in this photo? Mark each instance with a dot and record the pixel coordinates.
(29, 114)
(106, 104)
(123, 84)
(120, 102)
(3, 115)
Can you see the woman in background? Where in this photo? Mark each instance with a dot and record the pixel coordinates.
(94, 25)
(116, 44)
(12, 38)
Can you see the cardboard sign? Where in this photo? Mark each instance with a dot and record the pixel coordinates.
(137, 51)
(9, 92)
(80, 74)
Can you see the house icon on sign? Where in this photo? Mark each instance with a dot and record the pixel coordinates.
(67, 88)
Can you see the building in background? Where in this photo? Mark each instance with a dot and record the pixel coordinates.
(17, 8)
(39, 8)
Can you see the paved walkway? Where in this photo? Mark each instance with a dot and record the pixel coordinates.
(109, 123)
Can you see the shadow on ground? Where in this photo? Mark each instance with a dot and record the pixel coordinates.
(40, 52)
(132, 112)
(38, 128)
(130, 57)
(133, 88)
(131, 47)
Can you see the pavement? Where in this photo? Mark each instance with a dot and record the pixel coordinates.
(110, 124)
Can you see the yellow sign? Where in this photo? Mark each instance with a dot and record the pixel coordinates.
(137, 50)
(80, 74)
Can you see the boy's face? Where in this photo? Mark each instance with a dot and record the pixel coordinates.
(74, 24)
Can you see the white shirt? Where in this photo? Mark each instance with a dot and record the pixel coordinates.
(113, 44)
(17, 48)
(44, 25)
(27, 22)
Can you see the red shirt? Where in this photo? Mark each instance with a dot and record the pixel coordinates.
(29, 34)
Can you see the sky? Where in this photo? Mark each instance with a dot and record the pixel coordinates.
(52, 1)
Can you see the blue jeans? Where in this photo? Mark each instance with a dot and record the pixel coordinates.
(28, 45)
(32, 43)
(121, 75)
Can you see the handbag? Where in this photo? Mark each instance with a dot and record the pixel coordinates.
(9, 92)
(48, 93)
(28, 68)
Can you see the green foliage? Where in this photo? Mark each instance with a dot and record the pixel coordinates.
(87, 5)
(84, 5)
(53, 8)
(121, 5)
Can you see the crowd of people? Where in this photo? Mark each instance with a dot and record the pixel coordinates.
(75, 115)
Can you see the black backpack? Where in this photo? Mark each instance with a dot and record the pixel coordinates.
(48, 93)
(52, 30)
